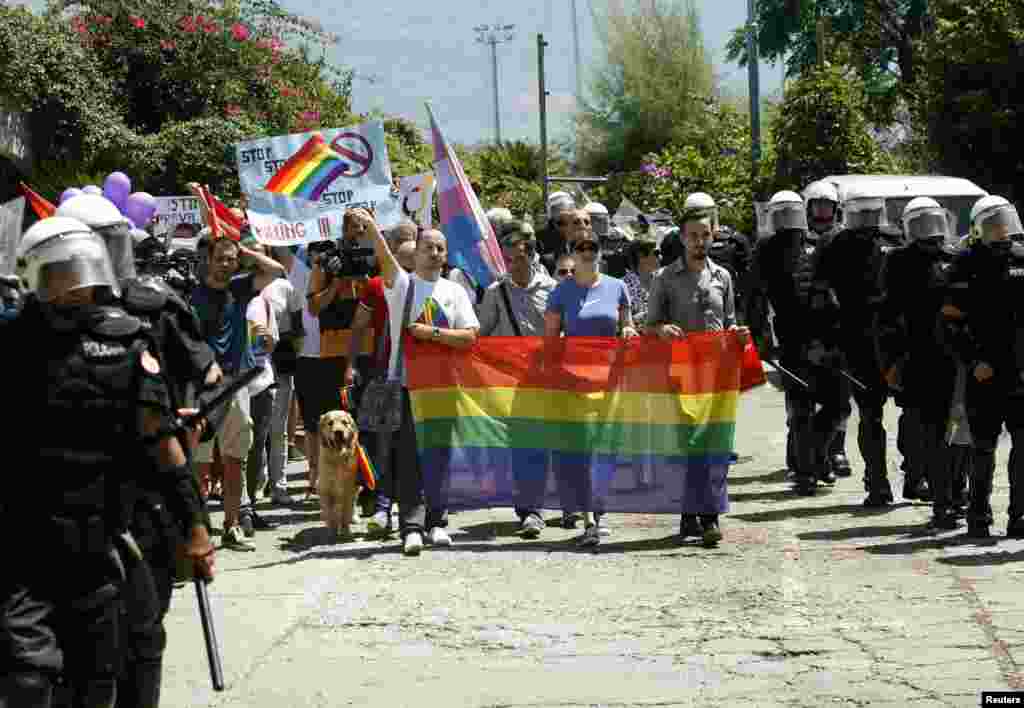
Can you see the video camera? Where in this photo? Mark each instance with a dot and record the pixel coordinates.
(342, 260)
(179, 270)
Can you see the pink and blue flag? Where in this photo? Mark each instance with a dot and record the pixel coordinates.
(472, 246)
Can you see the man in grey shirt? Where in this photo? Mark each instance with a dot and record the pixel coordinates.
(694, 294)
(514, 307)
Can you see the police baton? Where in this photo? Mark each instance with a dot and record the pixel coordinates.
(783, 370)
(209, 635)
(849, 377)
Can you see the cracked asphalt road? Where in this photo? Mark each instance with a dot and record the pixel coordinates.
(808, 602)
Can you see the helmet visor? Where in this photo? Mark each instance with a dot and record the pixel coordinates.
(63, 265)
(600, 223)
(864, 214)
(121, 247)
(928, 224)
(1002, 220)
(788, 216)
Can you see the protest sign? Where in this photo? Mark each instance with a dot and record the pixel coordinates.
(171, 211)
(365, 179)
(11, 215)
(416, 198)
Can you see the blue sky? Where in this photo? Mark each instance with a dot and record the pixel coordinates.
(406, 52)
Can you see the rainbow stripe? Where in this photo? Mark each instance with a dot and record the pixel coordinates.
(366, 469)
(622, 426)
(308, 172)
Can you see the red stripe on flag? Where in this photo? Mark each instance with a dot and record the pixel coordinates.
(40, 206)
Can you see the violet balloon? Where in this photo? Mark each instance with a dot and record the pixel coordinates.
(92, 189)
(68, 193)
(139, 208)
(116, 188)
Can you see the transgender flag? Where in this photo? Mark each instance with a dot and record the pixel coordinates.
(472, 245)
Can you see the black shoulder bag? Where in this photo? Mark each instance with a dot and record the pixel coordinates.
(508, 306)
(380, 408)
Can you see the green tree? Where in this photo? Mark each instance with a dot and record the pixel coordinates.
(655, 76)
(508, 175)
(880, 38)
(820, 129)
(968, 105)
(162, 90)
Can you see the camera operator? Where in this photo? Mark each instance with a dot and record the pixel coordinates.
(339, 277)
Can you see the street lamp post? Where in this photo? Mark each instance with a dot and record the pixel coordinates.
(494, 35)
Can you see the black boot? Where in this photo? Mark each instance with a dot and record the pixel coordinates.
(1015, 528)
(838, 462)
(879, 493)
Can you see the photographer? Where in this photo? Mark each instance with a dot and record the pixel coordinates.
(339, 276)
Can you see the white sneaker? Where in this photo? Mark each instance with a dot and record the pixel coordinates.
(235, 539)
(603, 531)
(379, 524)
(439, 537)
(413, 544)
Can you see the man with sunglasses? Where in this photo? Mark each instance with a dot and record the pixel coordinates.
(514, 307)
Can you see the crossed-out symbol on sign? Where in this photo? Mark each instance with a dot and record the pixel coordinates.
(362, 157)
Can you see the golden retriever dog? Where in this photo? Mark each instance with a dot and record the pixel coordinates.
(337, 483)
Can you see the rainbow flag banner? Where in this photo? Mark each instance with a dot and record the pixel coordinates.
(308, 172)
(472, 245)
(582, 423)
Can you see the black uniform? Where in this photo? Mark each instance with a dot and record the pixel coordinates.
(160, 523)
(911, 338)
(851, 264)
(782, 274)
(83, 386)
(995, 316)
(732, 251)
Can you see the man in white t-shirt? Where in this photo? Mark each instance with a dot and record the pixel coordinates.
(452, 322)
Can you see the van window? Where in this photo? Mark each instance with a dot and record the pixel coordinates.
(960, 206)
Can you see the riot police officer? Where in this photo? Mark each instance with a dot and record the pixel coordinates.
(782, 277)
(850, 262)
(188, 365)
(823, 218)
(731, 250)
(96, 420)
(993, 268)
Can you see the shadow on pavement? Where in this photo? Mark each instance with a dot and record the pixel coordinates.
(813, 511)
(983, 558)
(859, 532)
(777, 495)
(767, 477)
(929, 543)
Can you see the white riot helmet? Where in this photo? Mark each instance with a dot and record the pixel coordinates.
(100, 214)
(498, 216)
(59, 255)
(993, 216)
(600, 221)
(924, 219)
(559, 202)
(816, 194)
(861, 211)
(700, 201)
(786, 212)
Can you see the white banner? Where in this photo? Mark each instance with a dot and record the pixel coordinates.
(366, 180)
(416, 198)
(171, 211)
(272, 230)
(11, 215)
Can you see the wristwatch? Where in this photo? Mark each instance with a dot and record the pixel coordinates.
(437, 333)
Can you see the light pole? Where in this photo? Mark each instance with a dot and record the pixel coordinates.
(494, 35)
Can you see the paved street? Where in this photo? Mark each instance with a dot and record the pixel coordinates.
(808, 602)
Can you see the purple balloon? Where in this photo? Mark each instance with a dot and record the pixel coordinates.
(116, 188)
(68, 193)
(92, 189)
(139, 208)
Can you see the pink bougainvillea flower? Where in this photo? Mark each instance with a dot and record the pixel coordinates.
(168, 44)
(211, 28)
(187, 24)
(263, 44)
(232, 109)
(309, 116)
(240, 32)
(276, 44)
(138, 22)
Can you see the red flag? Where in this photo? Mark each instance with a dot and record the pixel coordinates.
(751, 369)
(40, 206)
(219, 218)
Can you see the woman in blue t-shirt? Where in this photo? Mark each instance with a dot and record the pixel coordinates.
(589, 304)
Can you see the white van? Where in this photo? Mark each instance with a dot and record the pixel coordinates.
(955, 194)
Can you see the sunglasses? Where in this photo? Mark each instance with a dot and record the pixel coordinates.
(581, 246)
(566, 271)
